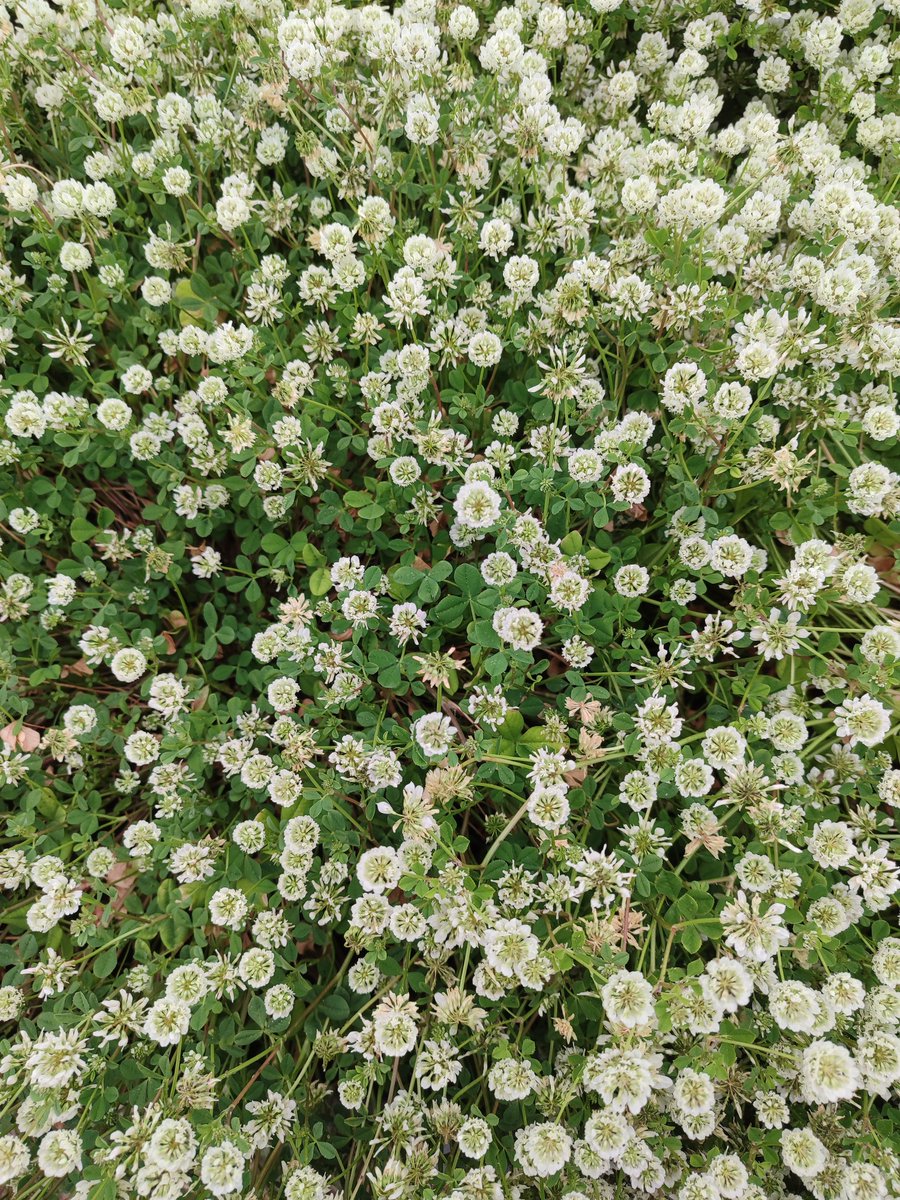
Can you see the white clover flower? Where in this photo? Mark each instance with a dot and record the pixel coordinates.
(632, 580)
(723, 746)
(569, 591)
(728, 983)
(474, 1137)
(14, 1157)
(359, 607)
(519, 627)
(156, 291)
(630, 484)
(222, 1169)
(803, 1153)
(141, 748)
(484, 349)
(434, 734)
(114, 414)
(379, 869)
(187, 983)
(878, 1057)
(99, 862)
(543, 1149)
(167, 1021)
(862, 720)
(694, 1093)
(512, 1079)
(19, 192)
(73, 256)
(67, 198)
(577, 652)
(279, 1002)
(173, 1145)
(752, 932)
(25, 418)
(496, 237)
(394, 1026)
(586, 466)
(422, 120)
(684, 385)
(732, 555)
(548, 806)
(256, 967)
(228, 907)
(771, 1109)
(477, 506)
(59, 1153)
(828, 1073)
(627, 999)
(728, 1175)
(128, 664)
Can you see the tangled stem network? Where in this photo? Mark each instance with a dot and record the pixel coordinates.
(448, 502)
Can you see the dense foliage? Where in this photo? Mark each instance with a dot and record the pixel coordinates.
(448, 499)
